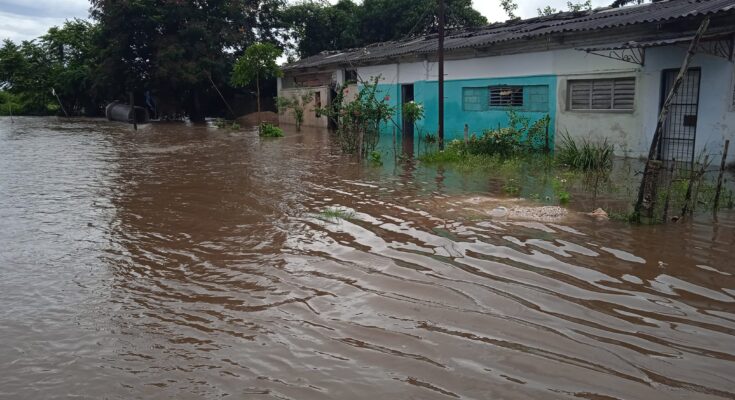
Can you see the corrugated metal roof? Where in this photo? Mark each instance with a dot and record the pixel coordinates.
(526, 29)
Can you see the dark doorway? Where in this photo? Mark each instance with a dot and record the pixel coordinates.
(680, 126)
(407, 127)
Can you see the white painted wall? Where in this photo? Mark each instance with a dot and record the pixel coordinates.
(631, 132)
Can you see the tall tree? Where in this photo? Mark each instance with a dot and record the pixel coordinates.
(258, 62)
(319, 26)
(176, 49)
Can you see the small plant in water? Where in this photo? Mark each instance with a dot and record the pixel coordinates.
(586, 156)
(297, 104)
(224, 124)
(269, 130)
(333, 214)
(511, 187)
(375, 158)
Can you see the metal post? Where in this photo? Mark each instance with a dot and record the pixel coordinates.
(647, 191)
(441, 75)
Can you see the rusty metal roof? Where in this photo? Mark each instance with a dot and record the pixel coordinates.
(525, 29)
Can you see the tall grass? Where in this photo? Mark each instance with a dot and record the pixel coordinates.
(586, 155)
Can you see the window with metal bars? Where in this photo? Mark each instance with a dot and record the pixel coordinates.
(601, 94)
(506, 96)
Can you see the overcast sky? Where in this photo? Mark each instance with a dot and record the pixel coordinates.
(28, 19)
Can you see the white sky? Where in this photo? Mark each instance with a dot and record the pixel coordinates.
(28, 19)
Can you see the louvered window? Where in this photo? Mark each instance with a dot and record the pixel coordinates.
(506, 96)
(602, 94)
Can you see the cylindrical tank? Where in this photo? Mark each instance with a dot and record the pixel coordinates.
(116, 111)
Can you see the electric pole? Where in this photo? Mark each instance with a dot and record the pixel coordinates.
(440, 133)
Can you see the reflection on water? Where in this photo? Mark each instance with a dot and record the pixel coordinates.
(187, 262)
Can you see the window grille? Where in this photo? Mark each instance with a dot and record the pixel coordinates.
(506, 96)
(602, 94)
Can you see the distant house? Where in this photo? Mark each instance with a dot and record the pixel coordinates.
(597, 74)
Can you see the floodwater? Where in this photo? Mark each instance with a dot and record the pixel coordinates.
(187, 263)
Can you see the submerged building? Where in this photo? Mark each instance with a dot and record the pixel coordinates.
(597, 74)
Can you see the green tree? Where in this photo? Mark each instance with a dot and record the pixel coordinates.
(73, 54)
(576, 7)
(178, 49)
(548, 10)
(258, 62)
(317, 26)
(510, 7)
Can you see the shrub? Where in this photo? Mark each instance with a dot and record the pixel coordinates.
(297, 104)
(585, 156)
(269, 130)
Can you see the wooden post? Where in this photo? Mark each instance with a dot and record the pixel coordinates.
(466, 133)
(132, 108)
(668, 191)
(719, 178)
(647, 190)
(695, 176)
(221, 96)
(53, 92)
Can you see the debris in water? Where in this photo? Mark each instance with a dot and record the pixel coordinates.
(599, 214)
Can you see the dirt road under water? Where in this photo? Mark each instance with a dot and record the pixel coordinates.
(187, 262)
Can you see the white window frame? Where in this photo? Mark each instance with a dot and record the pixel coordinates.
(568, 100)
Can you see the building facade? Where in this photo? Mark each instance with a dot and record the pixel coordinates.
(598, 75)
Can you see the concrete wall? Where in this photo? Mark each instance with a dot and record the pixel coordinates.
(310, 116)
(629, 131)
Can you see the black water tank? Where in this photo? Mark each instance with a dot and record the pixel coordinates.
(116, 111)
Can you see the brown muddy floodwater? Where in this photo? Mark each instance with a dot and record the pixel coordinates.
(185, 262)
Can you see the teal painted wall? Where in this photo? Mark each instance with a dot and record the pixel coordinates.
(455, 115)
(392, 93)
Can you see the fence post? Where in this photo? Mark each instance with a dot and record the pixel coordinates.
(466, 133)
(719, 178)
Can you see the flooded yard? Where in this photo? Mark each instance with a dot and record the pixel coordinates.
(189, 262)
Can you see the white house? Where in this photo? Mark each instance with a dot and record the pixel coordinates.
(597, 74)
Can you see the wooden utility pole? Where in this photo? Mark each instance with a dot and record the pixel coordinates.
(440, 133)
(647, 190)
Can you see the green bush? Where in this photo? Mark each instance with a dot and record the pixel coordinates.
(585, 156)
(270, 130)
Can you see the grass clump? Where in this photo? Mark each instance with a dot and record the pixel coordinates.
(585, 156)
(334, 214)
(270, 130)
(225, 124)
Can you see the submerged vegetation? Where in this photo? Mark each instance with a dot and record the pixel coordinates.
(296, 103)
(333, 214)
(358, 121)
(270, 130)
(585, 156)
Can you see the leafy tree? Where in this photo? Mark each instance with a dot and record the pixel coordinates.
(177, 50)
(72, 52)
(319, 26)
(258, 62)
(509, 6)
(548, 10)
(576, 7)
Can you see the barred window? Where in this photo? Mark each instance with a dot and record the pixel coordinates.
(532, 98)
(601, 94)
(506, 96)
